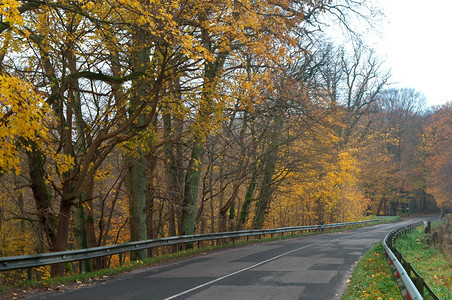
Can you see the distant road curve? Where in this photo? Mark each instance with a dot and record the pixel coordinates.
(315, 267)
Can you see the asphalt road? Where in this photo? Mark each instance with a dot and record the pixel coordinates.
(315, 267)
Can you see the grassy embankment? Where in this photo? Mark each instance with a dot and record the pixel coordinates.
(49, 283)
(432, 262)
(373, 279)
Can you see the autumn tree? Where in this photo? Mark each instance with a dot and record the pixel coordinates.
(437, 143)
(99, 100)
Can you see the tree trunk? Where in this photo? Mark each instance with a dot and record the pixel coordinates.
(42, 195)
(62, 233)
(136, 187)
(174, 173)
(79, 230)
(266, 190)
(212, 73)
(245, 211)
(151, 183)
(136, 175)
(191, 190)
(83, 229)
(379, 206)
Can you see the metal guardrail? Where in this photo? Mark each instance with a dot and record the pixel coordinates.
(31, 261)
(413, 282)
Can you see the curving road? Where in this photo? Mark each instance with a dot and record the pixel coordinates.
(315, 267)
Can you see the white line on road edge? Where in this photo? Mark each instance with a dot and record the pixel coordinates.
(255, 265)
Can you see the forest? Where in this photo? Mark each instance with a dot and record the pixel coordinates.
(126, 120)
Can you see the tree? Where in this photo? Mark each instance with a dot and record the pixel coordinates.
(438, 144)
(91, 99)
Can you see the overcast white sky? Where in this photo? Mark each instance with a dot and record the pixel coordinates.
(416, 42)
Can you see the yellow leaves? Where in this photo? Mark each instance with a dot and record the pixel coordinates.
(13, 240)
(89, 5)
(64, 162)
(104, 173)
(23, 115)
(9, 10)
(140, 143)
(327, 192)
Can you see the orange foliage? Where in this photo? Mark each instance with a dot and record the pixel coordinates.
(438, 141)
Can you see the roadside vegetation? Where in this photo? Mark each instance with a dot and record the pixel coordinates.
(431, 257)
(372, 278)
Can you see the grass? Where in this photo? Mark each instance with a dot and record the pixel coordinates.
(428, 261)
(372, 278)
(50, 283)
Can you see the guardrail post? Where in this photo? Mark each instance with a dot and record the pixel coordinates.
(419, 283)
(120, 259)
(407, 267)
(81, 264)
(428, 228)
(30, 273)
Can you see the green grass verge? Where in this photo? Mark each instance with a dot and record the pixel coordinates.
(428, 261)
(372, 278)
(100, 275)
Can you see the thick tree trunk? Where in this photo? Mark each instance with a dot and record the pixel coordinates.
(79, 230)
(191, 190)
(136, 187)
(136, 175)
(62, 233)
(42, 195)
(84, 231)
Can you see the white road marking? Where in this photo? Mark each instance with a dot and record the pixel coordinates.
(257, 264)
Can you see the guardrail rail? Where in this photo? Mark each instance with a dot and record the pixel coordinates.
(31, 261)
(413, 282)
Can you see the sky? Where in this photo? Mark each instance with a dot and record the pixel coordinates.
(415, 40)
